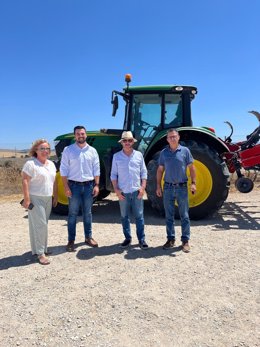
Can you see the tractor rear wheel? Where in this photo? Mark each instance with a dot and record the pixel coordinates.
(212, 177)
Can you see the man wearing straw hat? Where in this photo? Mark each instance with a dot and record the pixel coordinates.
(129, 176)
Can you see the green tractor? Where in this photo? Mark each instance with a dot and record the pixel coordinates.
(149, 112)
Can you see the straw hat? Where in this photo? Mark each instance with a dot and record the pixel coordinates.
(127, 135)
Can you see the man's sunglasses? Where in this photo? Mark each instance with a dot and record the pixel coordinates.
(127, 140)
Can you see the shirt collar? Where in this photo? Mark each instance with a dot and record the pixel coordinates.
(173, 151)
(81, 148)
(126, 154)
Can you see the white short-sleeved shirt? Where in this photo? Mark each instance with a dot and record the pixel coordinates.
(42, 176)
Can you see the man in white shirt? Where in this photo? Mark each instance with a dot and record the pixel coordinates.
(129, 176)
(80, 173)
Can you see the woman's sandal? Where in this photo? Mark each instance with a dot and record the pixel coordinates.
(43, 260)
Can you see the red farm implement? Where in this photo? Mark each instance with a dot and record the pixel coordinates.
(244, 156)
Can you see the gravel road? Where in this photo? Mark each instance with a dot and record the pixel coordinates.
(149, 298)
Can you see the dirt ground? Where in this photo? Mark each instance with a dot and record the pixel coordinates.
(109, 297)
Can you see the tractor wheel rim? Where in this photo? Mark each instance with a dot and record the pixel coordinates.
(62, 198)
(204, 184)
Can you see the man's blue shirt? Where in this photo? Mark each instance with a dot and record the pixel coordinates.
(175, 163)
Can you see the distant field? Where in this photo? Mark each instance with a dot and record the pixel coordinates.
(5, 153)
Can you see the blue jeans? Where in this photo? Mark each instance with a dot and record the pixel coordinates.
(137, 206)
(180, 194)
(81, 196)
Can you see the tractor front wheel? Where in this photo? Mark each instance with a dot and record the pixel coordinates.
(62, 207)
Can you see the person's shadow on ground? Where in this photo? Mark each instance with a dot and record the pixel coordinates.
(131, 253)
(17, 260)
(27, 258)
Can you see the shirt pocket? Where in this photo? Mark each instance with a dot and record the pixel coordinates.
(123, 168)
(74, 160)
(135, 165)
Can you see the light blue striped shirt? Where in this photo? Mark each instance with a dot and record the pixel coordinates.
(80, 164)
(128, 170)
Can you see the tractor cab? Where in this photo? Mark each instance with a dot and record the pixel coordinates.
(150, 109)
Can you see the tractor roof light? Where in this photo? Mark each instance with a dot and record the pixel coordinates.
(128, 78)
(178, 89)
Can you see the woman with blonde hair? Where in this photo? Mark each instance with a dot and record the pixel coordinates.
(39, 184)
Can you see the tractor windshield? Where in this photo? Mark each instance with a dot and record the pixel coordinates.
(151, 112)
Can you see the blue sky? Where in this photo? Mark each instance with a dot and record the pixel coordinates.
(60, 60)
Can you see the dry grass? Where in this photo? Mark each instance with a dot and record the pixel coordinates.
(10, 181)
(10, 176)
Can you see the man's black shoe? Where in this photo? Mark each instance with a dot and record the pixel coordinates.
(126, 243)
(143, 245)
(70, 246)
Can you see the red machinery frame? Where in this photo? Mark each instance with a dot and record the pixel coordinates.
(244, 155)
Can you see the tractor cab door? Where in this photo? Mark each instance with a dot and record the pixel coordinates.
(145, 118)
(173, 111)
(152, 112)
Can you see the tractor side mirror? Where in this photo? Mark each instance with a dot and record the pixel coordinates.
(115, 105)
